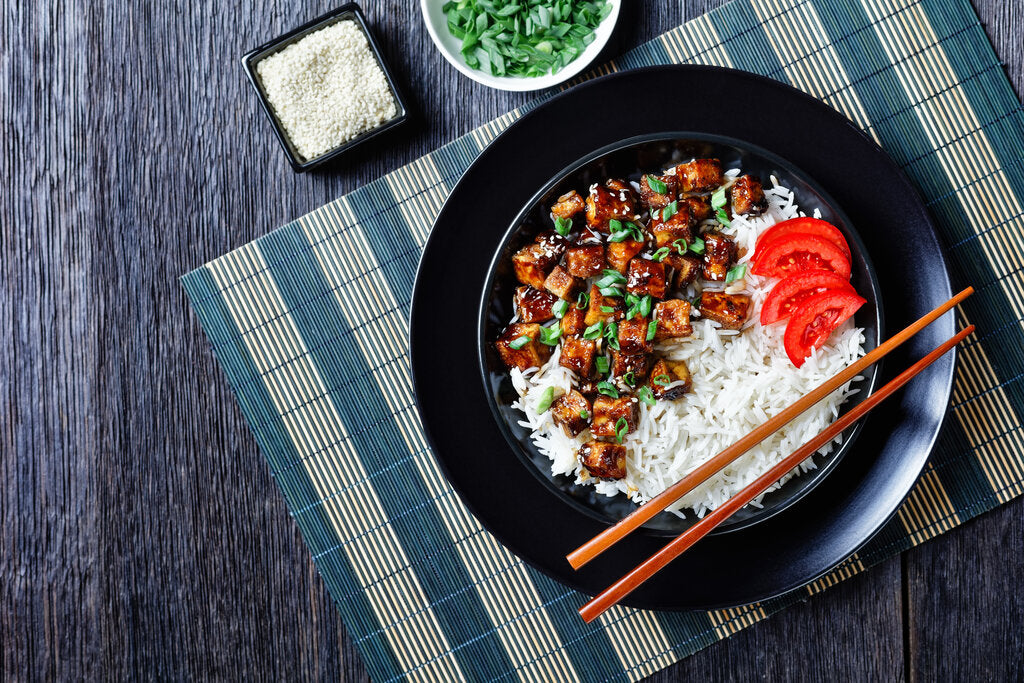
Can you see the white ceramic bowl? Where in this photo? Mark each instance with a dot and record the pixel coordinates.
(437, 25)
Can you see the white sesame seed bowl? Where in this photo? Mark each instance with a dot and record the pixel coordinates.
(450, 47)
(325, 87)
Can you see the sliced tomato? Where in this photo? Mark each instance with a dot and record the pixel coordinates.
(797, 288)
(807, 226)
(815, 319)
(797, 251)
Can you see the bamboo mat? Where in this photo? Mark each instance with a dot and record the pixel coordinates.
(316, 313)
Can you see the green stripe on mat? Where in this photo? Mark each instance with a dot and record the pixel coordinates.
(316, 312)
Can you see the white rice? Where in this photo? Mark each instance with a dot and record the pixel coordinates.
(740, 379)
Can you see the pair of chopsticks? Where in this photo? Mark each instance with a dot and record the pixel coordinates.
(607, 538)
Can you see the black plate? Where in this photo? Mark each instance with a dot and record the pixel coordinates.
(628, 160)
(847, 507)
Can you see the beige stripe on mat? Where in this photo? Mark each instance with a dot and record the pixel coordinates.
(696, 42)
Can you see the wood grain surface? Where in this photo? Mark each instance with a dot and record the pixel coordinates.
(141, 535)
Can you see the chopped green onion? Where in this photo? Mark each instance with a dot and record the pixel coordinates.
(550, 335)
(620, 236)
(718, 198)
(680, 245)
(611, 333)
(610, 291)
(662, 380)
(613, 275)
(723, 218)
(736, 273)
(646, 304)
(621, 425)
(661, 253)
(646, 395)
(602, 365)
(696, 301)
(615, 225)
(563, 225)
(652, 329)
(593, 332)
(584, 415)
(656, 184)
(582, 301)
(607, 309)
(545, 399)
(519, 342)
(629, 378)
(608, 281)
(698, 246)
(608, 389)
(560, 308)
(670, 210)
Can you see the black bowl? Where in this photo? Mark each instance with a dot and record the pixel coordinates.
(629, 159)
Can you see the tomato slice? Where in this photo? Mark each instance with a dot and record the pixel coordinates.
(789, 293)
(807, 226)
(815, 319)
(798, 251)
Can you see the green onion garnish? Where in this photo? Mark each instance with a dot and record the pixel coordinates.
(620, 236)
(656, 184)
(661, 253)
(718, 198)
(608, 281)
(736, 273)
(602, 365)
(519, 342)
(652, 329)
(613, 275)
(723, 218)
(584, 415)
(629, 378)
(620, 428)
(662, 380)
(680, 245)
(593, 332)
(560, 307)
(545, 399)
(582, 301)
(611, 333)
(608, 389)
(610, 291)
(563, 225)
(646, 395)
(698, 246)
(607, 309)
(670, 210)
(646, 304)
(615, 225)
(550, 335)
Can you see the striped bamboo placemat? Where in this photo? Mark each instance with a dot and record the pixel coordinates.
(310, 326)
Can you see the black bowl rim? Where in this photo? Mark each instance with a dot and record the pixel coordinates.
(257, 54)
(870, 375)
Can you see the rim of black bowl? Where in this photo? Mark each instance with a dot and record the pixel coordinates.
(812, 478)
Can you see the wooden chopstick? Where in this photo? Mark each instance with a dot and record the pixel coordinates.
(684, 541)
(613, 534)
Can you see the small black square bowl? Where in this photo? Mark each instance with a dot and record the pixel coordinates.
(347, 12)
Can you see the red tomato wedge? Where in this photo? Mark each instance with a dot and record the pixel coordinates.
(817, 318)
(798, 251)
(804, 225)
(788, 294)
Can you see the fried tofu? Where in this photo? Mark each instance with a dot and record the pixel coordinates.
(608, 411)
(585, 261)
(685, 268)
(614, 199)
(670, 380)
(621, 253)
(633, 336)
(657, 200)
(531, 354)
(578, 355)
(719, 255)
(574, 321)
(560, 283)
(599, 302)
(673, 319)
(731, 310)
(603, 460)
(700, 175)
(571, 412)
(646, 277)
(748, 196)
(568, 205)
(624, 363)
(679, 226)
(699, 207)
(532, 264)
(533, 305)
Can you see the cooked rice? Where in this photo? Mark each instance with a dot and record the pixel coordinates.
(740, 379)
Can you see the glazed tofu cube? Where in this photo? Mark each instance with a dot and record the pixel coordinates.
(673, 318)
(748, 196)
(621, 253)
(670, 380)
(585, 261)
(731, 310)
(699, 207)
(604, 460)
(553, 243)
(560, 283)
(520, 346)
(646, 277)
(532, 264)
(571, 412)
(624, 363)
(568, 205)
(608, 411)
(602, 308)
(685, 269)
(678, 226)
(578, 355)
(719, 255)
(633, 336)
(574, 321)
(654, 199)
(614, 199)
(700, 175)
(533, 305)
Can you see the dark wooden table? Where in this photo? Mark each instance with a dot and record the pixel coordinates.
(141, 534)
